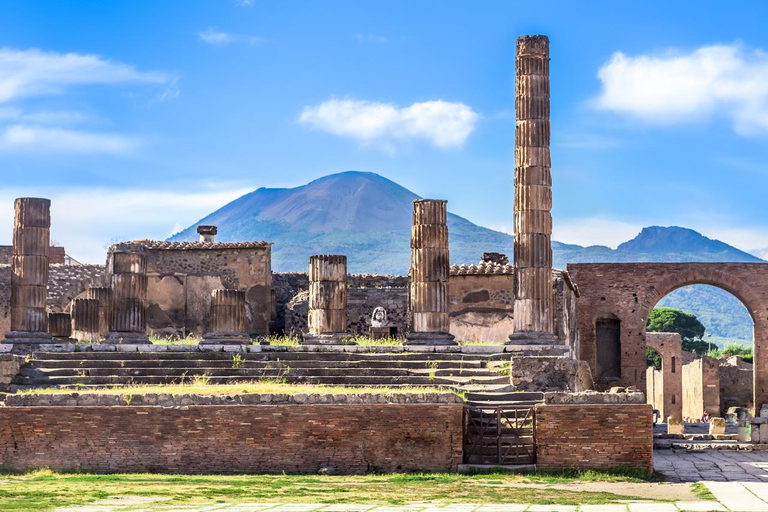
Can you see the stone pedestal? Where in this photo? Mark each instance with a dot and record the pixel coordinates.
(103, 295)
(128, 318)
(85, 320)
(29, 272)
(675, 426)
(227, 324)
(328, 320)
(534, 316)
(430, 266)
(60, 327)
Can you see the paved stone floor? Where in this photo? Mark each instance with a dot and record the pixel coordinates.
(712, 465)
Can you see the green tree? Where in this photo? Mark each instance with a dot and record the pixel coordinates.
(685, 324)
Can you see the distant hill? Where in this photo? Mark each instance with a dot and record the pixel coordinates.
(368, 218)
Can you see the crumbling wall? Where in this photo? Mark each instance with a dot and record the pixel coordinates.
(701, 388)
(65, 282)
(736, 377)
(482, 306)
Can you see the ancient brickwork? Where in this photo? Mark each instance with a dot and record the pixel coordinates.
(183, 275)
(701, 388)
(665, 393)
(588, 436)
(735, 384)
(629, 291)
(351, 439)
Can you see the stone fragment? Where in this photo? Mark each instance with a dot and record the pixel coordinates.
(717, 426)
(675, 426)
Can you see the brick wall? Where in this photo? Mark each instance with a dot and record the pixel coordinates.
(594, 436)
(233, 439)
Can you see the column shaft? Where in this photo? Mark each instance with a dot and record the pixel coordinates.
(227, 324)
(328, 319)
(534, 317)
(430, 266)
(86, 320)
(128, 318)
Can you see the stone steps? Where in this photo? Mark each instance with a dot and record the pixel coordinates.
(326, 380)
(254, 363)
(263, 372)
(290, 355)
(503, 399)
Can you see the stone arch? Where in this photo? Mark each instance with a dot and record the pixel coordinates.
(631, 290)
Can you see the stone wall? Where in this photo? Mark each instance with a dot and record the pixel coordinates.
(736, 377)
(351, 439)
(183, 275)
(665, 391)
(481, 303)
(65, 282)
(586, 436)
(701, 388)
(56, 255)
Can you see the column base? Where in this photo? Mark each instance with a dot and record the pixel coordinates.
(533, 338)
(331, 338)
(129, 338)
(225, 338)
(28, 337)
(430, 338)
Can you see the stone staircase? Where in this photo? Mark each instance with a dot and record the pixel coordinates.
(481, 374)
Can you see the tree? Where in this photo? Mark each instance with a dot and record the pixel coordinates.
(685, 324)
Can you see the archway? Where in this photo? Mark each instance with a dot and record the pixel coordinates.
(629, 291)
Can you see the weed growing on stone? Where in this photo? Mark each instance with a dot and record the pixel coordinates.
(237, 361)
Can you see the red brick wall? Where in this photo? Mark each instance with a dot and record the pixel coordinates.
(594, 436)
(233, 439)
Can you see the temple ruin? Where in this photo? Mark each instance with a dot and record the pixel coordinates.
(543, 352)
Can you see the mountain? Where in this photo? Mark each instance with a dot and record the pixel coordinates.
(368, 218)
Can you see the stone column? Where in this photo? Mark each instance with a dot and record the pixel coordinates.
(60, 327)
(128, 319)
(534, 317)
(227, 324)
(85, 320)
(103, 295)
(328, 318)
(428, 287)
(29, 271)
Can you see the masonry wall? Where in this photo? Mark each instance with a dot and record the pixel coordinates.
(588, 436)
(351, 439)
(65, 282)
(180, 282)
(736, 378)
(701, 388)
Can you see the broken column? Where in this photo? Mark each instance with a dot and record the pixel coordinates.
(103, 295)
(428, 287)
(85, 320)
(227, 324)
(534, 315)
(207, 233)
(29, 271)
(60, 327)
(128, 318)
(327, 319)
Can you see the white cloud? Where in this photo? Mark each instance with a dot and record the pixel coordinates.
(371, 38)
(27, 73)
(36, 139)
(761, 253)
(442, 123)
(218, 38)
(594, 231)
(676, 87)
(85, 232)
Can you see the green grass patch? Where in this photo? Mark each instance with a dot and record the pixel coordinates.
(174, 340)
(702, 492)
(200, 387)
(44, 490)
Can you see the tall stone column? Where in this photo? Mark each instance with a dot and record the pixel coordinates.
(430, 266)
(103, 295)
(128, 319)
(534, 316)
(85, 320)
(60, 327)
(29, 271)
(328, 318)
(227, 324)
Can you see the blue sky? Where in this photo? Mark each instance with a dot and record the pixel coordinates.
(138, 118)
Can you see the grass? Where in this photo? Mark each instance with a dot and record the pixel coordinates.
(174, 340)
(200, 386)
(701, 491)
(45, 490)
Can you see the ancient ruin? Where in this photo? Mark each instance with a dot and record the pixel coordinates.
(538, 352)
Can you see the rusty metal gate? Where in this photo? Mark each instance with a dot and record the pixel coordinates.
(499, 435)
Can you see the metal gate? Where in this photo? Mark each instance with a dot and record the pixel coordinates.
(500, 435)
